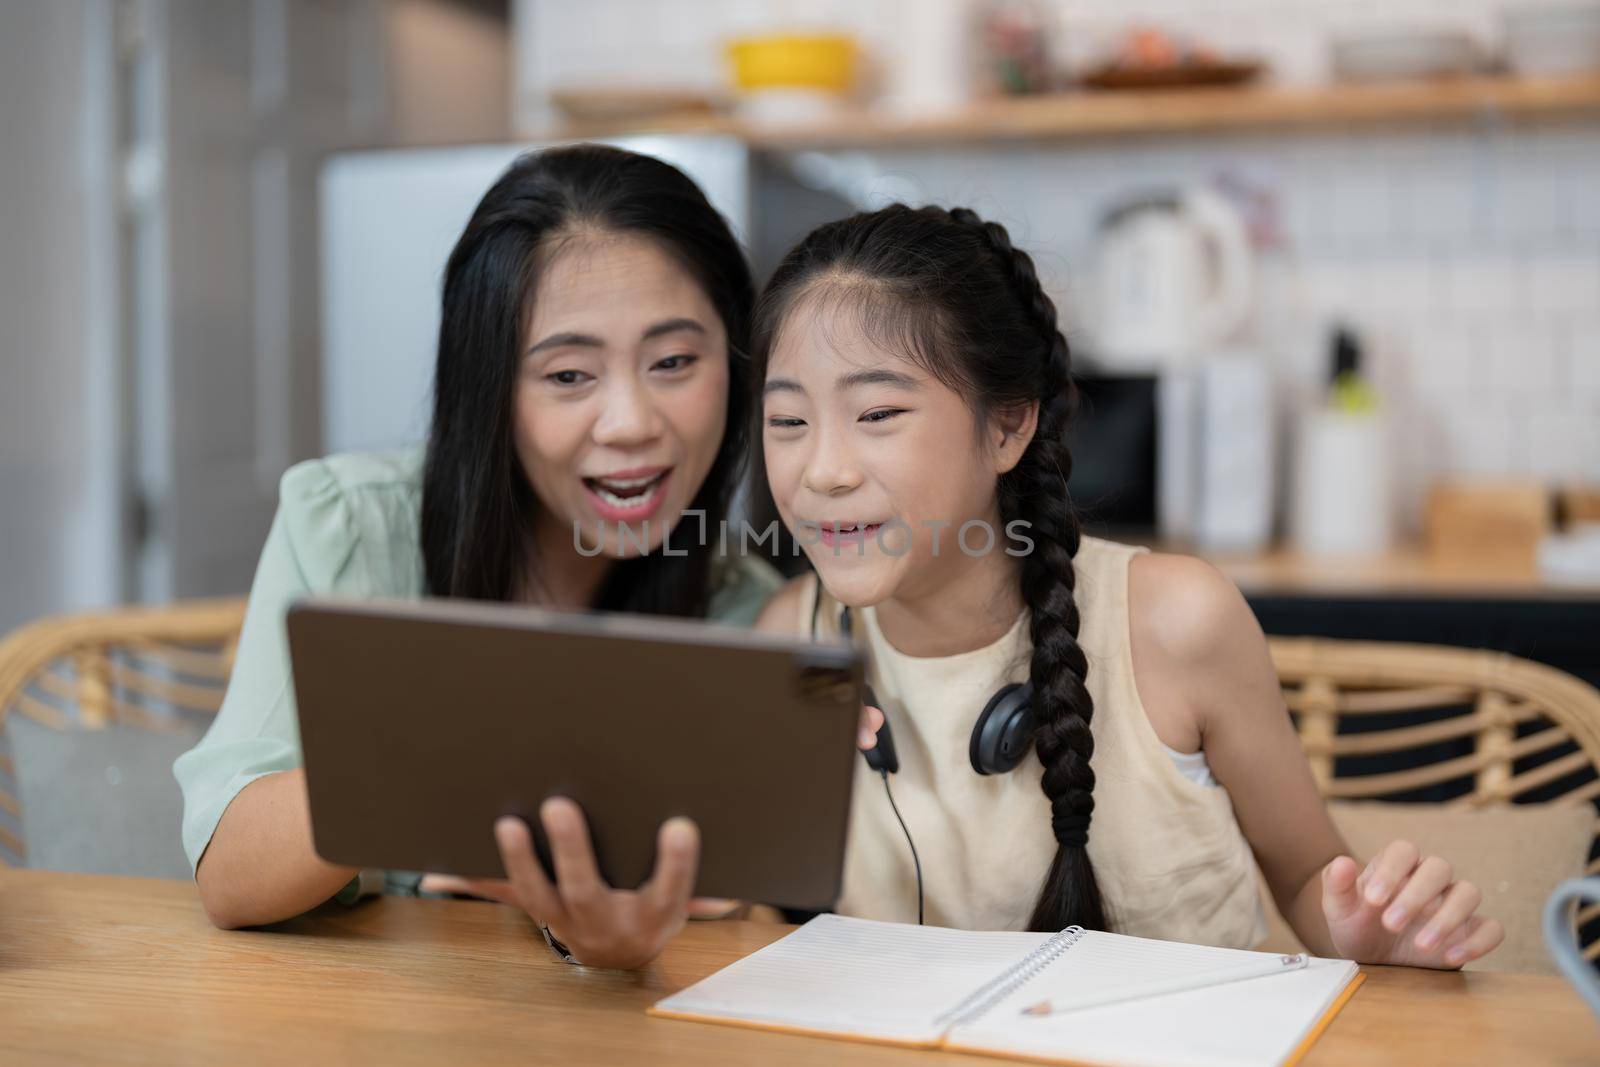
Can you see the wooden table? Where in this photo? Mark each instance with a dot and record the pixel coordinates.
(96, 969)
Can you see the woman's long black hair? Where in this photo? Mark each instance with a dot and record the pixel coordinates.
(477, 505)
(950, 291)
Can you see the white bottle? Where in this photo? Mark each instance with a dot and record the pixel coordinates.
(1342, 486)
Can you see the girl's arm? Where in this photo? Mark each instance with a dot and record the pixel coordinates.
(1204, 674)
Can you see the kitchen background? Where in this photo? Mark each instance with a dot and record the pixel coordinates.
(221, 227)
(1464, 251)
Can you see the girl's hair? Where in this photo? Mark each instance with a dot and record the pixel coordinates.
(477, 505)
(948, 289)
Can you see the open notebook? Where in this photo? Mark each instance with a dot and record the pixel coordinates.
(965, 991)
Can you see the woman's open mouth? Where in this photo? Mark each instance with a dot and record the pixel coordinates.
(841, 534)
(628, 496)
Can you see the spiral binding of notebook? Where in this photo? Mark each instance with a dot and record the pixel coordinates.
(997, 989)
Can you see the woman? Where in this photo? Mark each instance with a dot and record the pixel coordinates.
(590, 390)
(917, 389)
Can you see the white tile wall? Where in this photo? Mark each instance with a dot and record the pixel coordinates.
(1468, 255)
(1482, 317)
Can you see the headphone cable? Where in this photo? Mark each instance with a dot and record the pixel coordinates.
(915, 862)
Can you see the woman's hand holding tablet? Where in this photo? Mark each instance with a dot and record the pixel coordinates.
(600, 926)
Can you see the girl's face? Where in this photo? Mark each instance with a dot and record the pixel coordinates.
(621, 399)
(875, 464)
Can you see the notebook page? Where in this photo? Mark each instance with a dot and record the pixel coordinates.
(855, 977)
(1242, 1024)
(1103, 966)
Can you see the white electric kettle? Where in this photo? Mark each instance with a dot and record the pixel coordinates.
(1174, 278)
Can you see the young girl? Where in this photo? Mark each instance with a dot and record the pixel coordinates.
(917, 396)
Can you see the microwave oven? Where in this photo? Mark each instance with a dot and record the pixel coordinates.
(1185, 457)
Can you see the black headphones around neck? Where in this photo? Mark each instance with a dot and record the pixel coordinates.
(1001, 737)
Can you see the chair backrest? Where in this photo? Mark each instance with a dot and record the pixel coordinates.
(1460, 727)
(161, 669)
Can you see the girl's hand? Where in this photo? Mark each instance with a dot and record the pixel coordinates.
(599, 925)
(871, 722)
(1405, 909)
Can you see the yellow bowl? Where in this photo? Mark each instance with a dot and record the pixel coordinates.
(794, 61)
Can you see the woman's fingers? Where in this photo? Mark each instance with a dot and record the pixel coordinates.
(534, 891)
(487, 888)
(601, 926)
(1430, 878)
(1386, 873)
(709, 908)
(443, 883)
(577, 875)
(677, 859)
(1459, 904)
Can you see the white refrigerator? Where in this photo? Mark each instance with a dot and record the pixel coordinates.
(388, 222)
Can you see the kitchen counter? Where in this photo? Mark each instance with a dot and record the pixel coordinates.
(1403, 572)
(1406, 596)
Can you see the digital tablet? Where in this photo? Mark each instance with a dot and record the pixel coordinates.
(423, 722)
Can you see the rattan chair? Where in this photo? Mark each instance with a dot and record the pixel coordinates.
(1461, 727)
(150, 668)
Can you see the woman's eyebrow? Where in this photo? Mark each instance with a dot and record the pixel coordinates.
(673, 326)
(563, 340)
(569, 338)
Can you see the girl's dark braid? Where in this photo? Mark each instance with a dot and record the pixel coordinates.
(1036, 491)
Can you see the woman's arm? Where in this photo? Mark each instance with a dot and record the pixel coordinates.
(1204, 673)
(246, 821)
(260, 866)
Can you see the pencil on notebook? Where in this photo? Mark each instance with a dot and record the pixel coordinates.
(1180, 984)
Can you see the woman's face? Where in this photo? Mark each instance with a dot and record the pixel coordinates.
(875, 464)
(622, 395)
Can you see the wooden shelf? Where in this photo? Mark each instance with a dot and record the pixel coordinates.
(1088, 114)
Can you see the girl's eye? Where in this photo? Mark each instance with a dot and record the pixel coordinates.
(784, 422)
(567, 377)
(673, 363)
(882, 414)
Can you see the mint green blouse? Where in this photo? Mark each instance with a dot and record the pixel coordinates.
(347, 525)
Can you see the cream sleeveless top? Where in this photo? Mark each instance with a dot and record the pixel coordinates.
(1170, 858)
